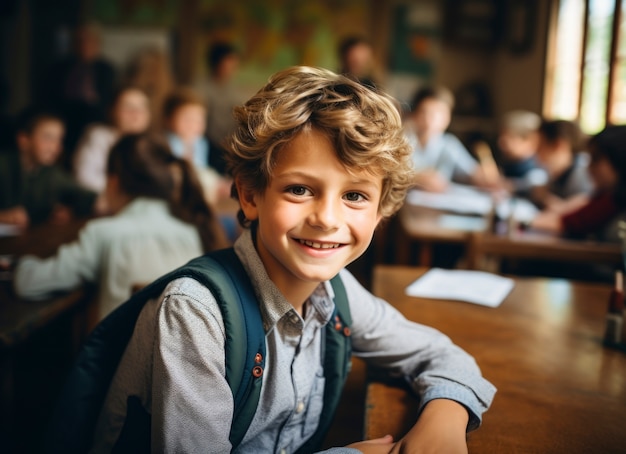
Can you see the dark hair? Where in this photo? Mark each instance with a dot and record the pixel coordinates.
(146, 167)
(178, 98)
(28, 120)
(432, 92)
(218, 52)
(610, 143)
(553, 130)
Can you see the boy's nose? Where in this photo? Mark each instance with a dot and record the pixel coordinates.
(326, 215)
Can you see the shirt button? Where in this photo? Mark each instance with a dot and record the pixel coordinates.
(300, 407)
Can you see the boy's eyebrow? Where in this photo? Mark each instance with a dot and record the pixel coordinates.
(310, 176)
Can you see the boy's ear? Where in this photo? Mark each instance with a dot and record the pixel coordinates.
(247, 201)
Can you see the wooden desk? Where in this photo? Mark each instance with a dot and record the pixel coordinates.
(428, 226)
(538, 245)
(38, 341)
(18, 318)
(559, 389)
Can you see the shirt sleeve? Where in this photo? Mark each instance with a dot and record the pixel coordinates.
(192, 404)
(74, 264)
(426, 358)
(464, 163)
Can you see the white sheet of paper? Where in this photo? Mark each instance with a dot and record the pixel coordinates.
(468, 200)
(478, 287)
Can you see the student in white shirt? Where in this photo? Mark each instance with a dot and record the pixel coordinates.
(161, 221)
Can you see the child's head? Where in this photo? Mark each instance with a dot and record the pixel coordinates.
(363, 127)
(143, 165)
(223, 60)
(608, 159)
(559, 141)
(518, 138)
(130, 112)
(40, 135)
(356, 56)
(185, 114)
(431, 109)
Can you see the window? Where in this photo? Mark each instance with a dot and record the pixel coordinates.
(586, 64)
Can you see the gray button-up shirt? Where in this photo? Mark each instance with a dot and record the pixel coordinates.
(175, 363)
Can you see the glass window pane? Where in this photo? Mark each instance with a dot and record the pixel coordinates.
(596, 69)
(564, 73)
(618, 103)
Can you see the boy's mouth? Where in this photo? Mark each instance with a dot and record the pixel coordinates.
(315, 245)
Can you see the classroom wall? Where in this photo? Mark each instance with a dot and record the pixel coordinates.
(277, 33)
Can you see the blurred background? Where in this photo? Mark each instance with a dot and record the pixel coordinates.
(492, 54)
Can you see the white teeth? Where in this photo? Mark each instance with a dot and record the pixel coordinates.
(319, 245)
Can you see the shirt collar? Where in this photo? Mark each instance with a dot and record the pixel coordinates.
(274, 305)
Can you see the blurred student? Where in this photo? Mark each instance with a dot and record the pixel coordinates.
(82, 84)
(33, 189)
(161, 221)
(222, 95)
(129, 114)
(185, 120)
(518, 141)
(599, 215)
(560, 154)
(356, 59)
(438, 156)
(150, 71)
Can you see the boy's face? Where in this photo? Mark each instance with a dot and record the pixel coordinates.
(189, 121)
(44, 144)
(431, 117)
(517, 146)
(314, 217)
(132, 112)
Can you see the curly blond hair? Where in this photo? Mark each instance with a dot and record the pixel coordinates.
(363, 125)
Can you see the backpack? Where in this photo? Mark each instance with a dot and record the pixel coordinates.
(75, 417)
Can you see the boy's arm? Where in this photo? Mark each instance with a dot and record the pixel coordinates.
(192, 404)
(74, 264)
(426, 358)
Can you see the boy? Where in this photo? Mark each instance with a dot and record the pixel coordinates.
(518, 141)
(438, 156)
(318, 160)
(32, 188)
(559, 153)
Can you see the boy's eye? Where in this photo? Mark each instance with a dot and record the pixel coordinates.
(354, 197)
(298, 190)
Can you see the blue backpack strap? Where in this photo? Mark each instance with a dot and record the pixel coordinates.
(85, 390)
(337, 363)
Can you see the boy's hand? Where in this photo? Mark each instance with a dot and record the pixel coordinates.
(381, 445)
(431, 181)
(16, 216)
(440, 428)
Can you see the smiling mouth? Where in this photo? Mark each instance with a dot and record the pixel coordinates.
(315, 245)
